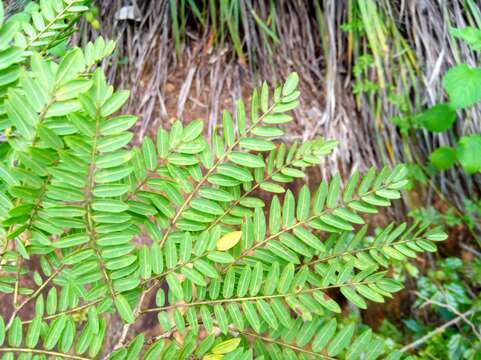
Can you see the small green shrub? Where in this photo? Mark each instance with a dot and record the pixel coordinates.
(236, 275)
(462, 84)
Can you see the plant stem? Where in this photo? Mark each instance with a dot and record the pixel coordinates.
(253, 298)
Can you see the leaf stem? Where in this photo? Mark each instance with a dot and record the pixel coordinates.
(252, 298)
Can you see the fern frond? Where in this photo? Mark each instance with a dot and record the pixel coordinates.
(241, 266)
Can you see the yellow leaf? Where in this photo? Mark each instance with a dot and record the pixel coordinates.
(229, 240)
(227, 346)
(212, 357)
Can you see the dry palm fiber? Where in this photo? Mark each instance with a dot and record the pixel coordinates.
(189, 62)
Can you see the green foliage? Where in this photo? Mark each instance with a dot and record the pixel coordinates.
(239, 270)
(469, 35)
(439, 118)
(462, 84)
(445, 292)
(467, 152)
(449, 291)
(443, 158)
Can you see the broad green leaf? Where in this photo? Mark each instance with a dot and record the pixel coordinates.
(463, 85)
(438, 118)
(467, 152)
(443, 158)
(469, 34)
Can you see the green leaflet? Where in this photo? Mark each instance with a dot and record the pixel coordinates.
(113, 159)
(256, 144)
(15, 334)
(341, 340)
(291, 84)
(55, 331)
(114, 102)
(353, 297)
(33, 332)
(325, 334)
(245, 159)
(72, 240)
(72, 64)
(149, 153)
(113, 206)
(193, 276)
(272, 187)
(124, 309)
(215, 194)
(360, 344)
(192, 131)
(114, 142)
(154, 350)
(117, 125)
(251, 315)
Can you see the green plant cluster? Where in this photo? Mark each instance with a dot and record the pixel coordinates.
(447, 293)
(462, 84)
(240, 266)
